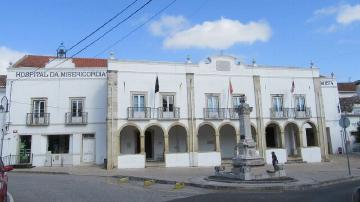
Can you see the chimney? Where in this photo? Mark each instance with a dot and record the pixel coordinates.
(357, 83)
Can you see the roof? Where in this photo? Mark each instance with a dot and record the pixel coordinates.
(2, 81)
(40, 61)
(350, 86)
(347, 103)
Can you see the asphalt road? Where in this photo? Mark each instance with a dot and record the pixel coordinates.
(48, 187)
(334, 193)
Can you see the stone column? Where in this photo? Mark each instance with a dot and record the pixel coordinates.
(113, 147)
(237, 136)
(320, 116)
(192, 136)
(142, 143)
(301, 141)
(282, 139)
(166, 143)
(260, 128)
(217, 142)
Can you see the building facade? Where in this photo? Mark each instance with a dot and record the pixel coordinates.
(57, 112)
(184, 114)
(134, 114)
(350, 107)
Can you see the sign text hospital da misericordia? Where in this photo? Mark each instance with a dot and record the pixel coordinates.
(57, 74)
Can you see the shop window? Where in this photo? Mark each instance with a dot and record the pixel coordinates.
(58, 144)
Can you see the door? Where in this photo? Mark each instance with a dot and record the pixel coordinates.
(25, 149)
(213, 106)
(139, 106)
(168, 106)
(149, 145)
(88, 153)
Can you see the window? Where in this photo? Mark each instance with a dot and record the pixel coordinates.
(212, 101)
(168, 103)
(300, 102)
(38, 108)
(77, 106)
(236, 100)
(277, 102)
(58, 144)
(138, 101)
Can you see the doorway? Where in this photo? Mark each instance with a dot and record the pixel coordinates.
(25, 149)
(149, 145)
(88, 150)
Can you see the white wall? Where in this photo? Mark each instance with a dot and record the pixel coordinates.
(311, 154)
(280, 154)
(58, 93)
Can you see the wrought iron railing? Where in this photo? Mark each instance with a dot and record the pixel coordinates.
(138, 113)
(37, 119)
(302, 113)
(215, 113)
(80, 119)
(11, 160)
(167, 113)
(282, 113)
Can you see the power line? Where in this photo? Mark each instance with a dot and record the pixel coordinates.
(138, 27)
(103, 25)
(103, 35)
(118, 24)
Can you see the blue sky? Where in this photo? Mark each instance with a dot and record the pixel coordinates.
(277, 33)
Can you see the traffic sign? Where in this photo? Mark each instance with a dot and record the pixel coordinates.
(344, 122)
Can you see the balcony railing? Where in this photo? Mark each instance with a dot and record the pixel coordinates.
(80, 119)
(302, 114)
(214, 113)
(166, 113)
(139, 113)
(279, 114)
(37, 119)
(286, 113)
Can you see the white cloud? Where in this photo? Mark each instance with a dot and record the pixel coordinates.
(168, 25)
(348, 14)
(344, 14)
(220, 34)
(8, 55)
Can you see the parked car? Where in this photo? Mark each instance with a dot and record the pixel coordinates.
(3, 180)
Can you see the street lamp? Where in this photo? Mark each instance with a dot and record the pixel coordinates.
(6, 104)
(2, 108)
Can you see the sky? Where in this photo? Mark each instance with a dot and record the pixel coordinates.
(276, 33)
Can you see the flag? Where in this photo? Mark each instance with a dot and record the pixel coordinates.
(231, 90)
(292, 87)
(157, 85)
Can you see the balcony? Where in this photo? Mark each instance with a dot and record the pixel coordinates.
(139, 113)
(166, 114)
(294, 113)
(302, 114)
(283, 113)
(214, 113)
(37, 119)
(81, 119)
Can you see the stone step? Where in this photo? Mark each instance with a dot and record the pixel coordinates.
(154, 164)
(293, 160)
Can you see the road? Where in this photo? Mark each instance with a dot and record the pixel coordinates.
(48, 187)
(334, 193)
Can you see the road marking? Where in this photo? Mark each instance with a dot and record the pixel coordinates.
(10, 197)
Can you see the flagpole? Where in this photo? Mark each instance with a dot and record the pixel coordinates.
(228, 96)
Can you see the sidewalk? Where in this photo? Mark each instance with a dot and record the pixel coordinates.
(307, 174)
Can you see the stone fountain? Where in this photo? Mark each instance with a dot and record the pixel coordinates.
(246, 157)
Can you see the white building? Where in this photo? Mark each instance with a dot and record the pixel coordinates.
(350, 107)
(83, 111)
(57, 111)
(192, 121)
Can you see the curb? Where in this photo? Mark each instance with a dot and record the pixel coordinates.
(277, 187)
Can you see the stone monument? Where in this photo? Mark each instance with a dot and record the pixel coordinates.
(246, 155)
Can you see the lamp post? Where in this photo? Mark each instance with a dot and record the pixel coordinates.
(3, 110)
